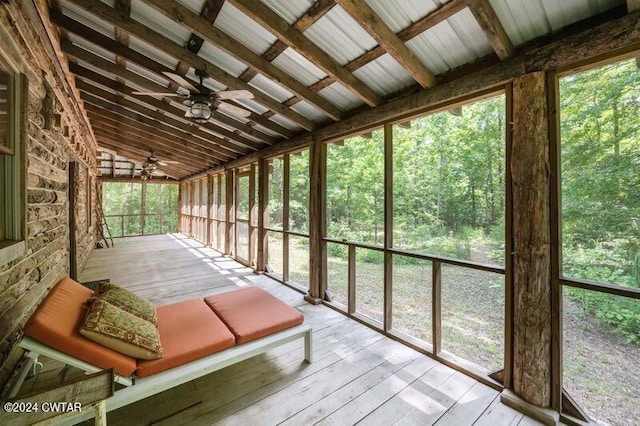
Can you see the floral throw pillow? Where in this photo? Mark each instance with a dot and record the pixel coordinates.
(127, 301)
(121, 331)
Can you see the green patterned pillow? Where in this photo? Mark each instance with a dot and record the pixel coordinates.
(121, 331)
(127, 301)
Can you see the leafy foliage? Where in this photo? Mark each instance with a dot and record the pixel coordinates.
(600, 157)
(122, 204)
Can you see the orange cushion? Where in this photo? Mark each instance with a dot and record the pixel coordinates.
(188, 331)
(252, 313)
(57, 320)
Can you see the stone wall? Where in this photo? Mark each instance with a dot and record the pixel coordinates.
(57, 135)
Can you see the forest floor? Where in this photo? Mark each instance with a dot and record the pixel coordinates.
(601, 370)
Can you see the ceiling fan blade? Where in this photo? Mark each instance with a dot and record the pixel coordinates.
(188, 114)
(157, 94)
(235, 94)
(181, 81)
(233, 110)
(167, 162)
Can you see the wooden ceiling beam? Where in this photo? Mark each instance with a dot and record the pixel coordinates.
(131, 55)
(315, 12)
(179, 145)
(135, 155)
(222, 40)
(112, 106)
(388, 40)
(432, 19)
(124, 7)
(293, 38)
(492, 27)
(176, 148)
(128, 141)
(135, 57)
(189, 131)
(235, 140)
(161, 42)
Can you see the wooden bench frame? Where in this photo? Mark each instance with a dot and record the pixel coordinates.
(144, 387)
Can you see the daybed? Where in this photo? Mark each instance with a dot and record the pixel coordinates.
(198, 337)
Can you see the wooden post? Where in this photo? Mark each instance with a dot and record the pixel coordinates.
(263, 214)
(143, 205)
(317, 247)
(230, 211)
(285, 216)
(252, 212)
(180, 206)
(388, 226)
(209, 206)
(531, 241)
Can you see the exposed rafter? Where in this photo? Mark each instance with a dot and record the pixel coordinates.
(418, 27)
(219, 38)
(202, 144)
(492, 27)
(388, 40)
(293, 38)
(157, 68)
(151, 135)
(161, 42)
(234, 141)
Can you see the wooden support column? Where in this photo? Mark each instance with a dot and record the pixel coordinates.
(317, 225)
(209, 206)
(252, 213)
(143, 205)
(230, 206)
(285, 216)
(388, 226)
(531, 241)
(263, 213)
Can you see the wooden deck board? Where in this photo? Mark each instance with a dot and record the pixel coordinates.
(358, 375)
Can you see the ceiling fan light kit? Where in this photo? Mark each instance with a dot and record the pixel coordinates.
(201, 102)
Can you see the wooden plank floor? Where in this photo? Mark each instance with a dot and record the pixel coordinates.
(358, 375)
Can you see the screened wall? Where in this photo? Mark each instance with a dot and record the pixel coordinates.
(140, 208)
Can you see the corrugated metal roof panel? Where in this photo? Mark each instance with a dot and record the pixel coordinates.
(473, 38)
(285, 122)
(244, 29)
(92, 48)
(221, 59)
(207, 82)
(148, 74)
(194, 5)
(252, 105)
(399, 14)
(88, 19)
(309, 111)
(155, 20)
(152, 53)
(524, 20)
(451, 43)
(271, 88)
(289, 10)
(338, 34)
(298, 67)
(266, 131)
(384, 75)
(340, 96)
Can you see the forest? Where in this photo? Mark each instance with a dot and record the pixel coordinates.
(123, 208)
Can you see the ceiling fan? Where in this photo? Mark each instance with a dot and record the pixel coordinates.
(201, 102)
(150, 167)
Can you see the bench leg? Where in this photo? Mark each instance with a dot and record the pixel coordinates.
(308, 346)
